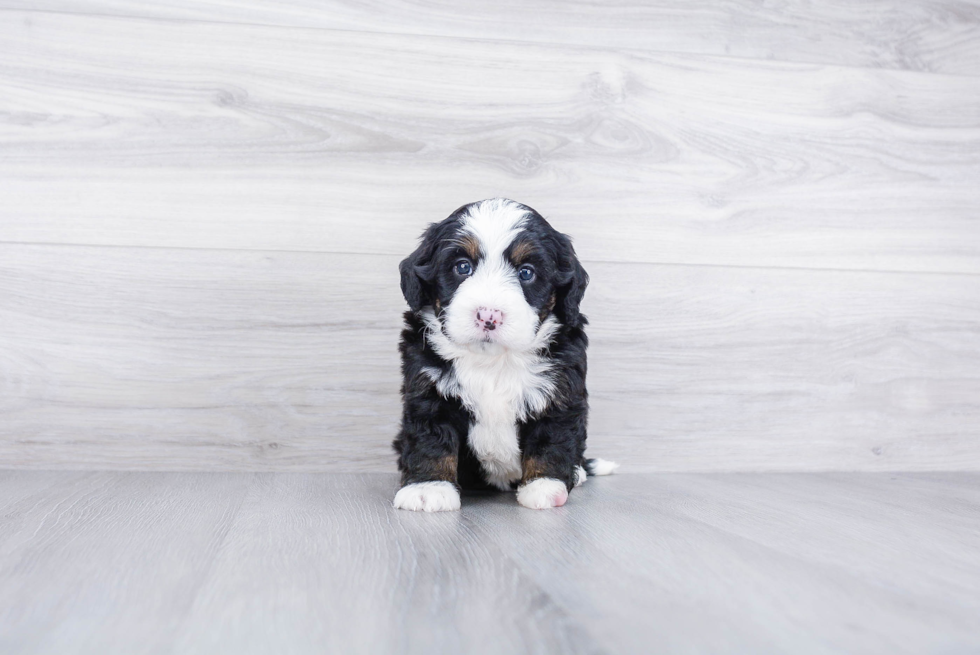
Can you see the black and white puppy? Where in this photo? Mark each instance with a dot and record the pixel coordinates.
(494, 361)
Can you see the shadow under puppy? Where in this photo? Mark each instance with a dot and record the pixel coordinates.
(494, 361)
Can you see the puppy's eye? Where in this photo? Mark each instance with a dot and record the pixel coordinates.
(463, 267)
(526, 273)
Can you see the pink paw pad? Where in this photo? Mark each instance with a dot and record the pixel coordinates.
(559, 499)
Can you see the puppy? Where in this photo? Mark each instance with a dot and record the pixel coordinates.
(494, 361)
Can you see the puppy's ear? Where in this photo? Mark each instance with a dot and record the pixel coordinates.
(572, 281)
(418, 273)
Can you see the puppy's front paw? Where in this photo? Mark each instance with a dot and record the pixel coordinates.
(543, 493)
(428, 497)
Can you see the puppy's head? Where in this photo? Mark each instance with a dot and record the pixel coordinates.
(493, 272)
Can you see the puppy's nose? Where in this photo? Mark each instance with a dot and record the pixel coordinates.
(489, 319)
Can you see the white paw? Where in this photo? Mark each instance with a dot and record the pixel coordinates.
(580, 476)
(543, 493)
(603, 467)
(428, 497)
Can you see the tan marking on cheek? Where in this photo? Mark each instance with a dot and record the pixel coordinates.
(548, 307)
(438, 306)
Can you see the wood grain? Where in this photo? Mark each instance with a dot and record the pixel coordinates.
(160, 359)
(202, 360)
(744, 553)
(925, 35)
(130, 553)
(377, 580)
(212, 135)
(304, 563)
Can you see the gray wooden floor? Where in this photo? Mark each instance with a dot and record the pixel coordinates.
(115, 562)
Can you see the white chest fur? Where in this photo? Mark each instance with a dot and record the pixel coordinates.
(500, 387)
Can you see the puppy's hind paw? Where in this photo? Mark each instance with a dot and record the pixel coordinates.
(428, 497)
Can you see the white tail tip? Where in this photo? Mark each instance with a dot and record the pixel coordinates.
(603, 466)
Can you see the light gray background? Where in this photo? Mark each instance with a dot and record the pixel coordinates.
(204, 204)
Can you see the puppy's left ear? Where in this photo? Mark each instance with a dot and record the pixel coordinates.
(571, 285)
(417, 271)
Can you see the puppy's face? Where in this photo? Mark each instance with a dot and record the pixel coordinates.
(493, 272)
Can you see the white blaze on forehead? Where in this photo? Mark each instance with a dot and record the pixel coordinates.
(495, 223)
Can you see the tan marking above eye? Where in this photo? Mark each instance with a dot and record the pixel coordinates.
(470, 244)
(520, 251)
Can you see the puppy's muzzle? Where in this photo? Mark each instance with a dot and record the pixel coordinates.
(489, 319)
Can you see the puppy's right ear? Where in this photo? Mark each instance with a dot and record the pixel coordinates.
(418, 273)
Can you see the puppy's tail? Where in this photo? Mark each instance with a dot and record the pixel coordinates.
(599, 466)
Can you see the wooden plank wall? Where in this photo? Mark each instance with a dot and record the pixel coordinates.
(202, 207)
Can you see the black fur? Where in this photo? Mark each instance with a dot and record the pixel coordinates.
(432, 443)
